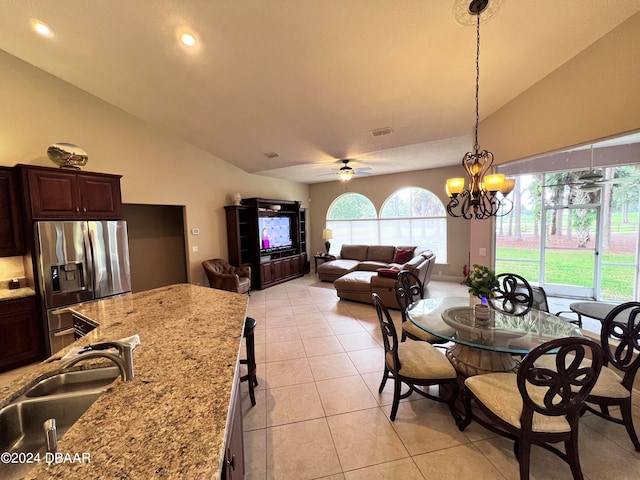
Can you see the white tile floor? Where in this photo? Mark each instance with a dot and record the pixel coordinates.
(319, 414)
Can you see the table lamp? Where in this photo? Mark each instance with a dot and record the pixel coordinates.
(326, 236)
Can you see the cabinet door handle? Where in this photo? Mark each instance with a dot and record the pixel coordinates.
(77, 209)
(231, 463)
(84, 209)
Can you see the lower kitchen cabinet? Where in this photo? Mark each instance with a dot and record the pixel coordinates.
(21, 337)
(233, 468)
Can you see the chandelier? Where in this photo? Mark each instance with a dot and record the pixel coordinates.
(486, 195)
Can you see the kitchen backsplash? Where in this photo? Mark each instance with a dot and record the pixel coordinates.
(10, 268)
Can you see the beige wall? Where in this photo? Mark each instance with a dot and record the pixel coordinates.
(593, 96)
(38, 109)
(378, 189)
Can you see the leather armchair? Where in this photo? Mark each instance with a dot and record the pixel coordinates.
(223, 276)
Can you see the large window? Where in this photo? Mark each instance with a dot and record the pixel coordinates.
(353, 219)
(410, 216)
(574, 228)
(415, 216)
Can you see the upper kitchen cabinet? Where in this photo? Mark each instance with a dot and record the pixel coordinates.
(11, 239)
(63, 194)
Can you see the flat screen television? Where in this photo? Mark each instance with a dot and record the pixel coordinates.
(275, 233)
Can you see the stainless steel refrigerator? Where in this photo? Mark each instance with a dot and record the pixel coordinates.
(79, 262)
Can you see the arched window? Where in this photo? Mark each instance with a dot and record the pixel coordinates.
(415, 216)
(353, 219)
(410, 216)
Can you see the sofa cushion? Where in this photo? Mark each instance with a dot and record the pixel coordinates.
(403, 255)
(369, 266)
(388, 272)
(355, 282)
(354, 252)
(338, 267)
(381, 253)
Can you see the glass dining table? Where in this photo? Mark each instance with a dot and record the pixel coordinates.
(489, 347)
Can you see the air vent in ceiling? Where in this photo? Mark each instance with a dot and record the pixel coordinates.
(381, 131)
(271, 155)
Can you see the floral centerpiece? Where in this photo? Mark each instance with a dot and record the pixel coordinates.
(481, 281)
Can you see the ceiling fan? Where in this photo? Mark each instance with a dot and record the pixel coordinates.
(592, 180)
(346, 172)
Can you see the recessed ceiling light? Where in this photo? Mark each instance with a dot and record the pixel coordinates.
(41, 28)
(188, 39)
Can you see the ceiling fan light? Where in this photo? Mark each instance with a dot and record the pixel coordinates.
(345, 175)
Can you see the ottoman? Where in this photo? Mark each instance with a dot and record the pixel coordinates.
(355, 286)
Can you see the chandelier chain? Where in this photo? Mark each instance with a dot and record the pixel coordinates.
(476, 146)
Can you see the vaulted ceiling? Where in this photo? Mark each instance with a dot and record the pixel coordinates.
(308, 79)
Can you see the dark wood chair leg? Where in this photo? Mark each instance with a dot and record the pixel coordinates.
(627, 418)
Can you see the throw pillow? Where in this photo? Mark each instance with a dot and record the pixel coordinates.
(402, 255)
(388, 272)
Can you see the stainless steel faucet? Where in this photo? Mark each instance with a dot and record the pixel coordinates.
(124, 358)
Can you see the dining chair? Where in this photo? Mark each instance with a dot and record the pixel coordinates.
(414, 364)
(620, 342)
(540, 302)
(513, 295)
(409, 289)
(537, 405)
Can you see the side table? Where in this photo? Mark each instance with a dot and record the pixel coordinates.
(323, 257)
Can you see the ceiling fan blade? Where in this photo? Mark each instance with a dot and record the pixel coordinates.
(591, 175)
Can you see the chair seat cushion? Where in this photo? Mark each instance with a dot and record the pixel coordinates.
(609, 383)
(499, 393)
(421, 360)
(411, 329)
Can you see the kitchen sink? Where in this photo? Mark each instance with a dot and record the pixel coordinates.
(21, 424)
(68, 382)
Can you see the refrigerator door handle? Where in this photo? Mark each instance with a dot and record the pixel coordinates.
(91, 275)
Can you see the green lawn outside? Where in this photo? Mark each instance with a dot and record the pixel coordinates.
(571, 268)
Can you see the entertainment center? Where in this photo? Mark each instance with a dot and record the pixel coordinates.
(271, 237)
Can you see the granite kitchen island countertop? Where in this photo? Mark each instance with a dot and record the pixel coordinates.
(170, 420)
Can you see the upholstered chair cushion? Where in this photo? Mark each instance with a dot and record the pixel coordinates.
(414, 331)
(422, 360)
(609, 383)
(499, 392)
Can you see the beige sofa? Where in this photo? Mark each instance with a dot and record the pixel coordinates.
(355, 272)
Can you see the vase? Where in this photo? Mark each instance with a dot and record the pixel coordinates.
(474, 300)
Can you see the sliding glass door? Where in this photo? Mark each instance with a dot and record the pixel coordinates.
(574, 228)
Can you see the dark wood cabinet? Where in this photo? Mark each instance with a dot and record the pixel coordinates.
(11, 236)
(268, 267)
(21, 335)
(58, 194)
(233, 468)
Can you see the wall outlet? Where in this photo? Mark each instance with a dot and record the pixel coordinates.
(195, 231)
(194, 249)
(483, 252)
